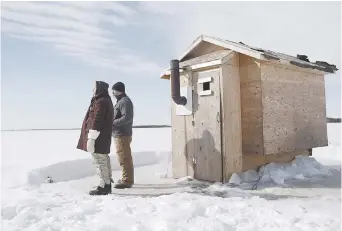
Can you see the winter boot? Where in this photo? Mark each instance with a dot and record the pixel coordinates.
(123, 185)
(107, 189)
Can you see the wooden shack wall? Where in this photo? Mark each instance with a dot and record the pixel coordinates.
(251, 105)
(186, 130)
(202, 49)
(294, 112)
(182, 132)
(231, 116)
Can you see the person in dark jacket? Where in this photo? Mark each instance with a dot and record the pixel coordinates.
(122, 134)
(96, 135)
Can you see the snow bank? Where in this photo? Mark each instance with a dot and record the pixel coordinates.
(81, 168)
(58, 208)
(330, 155)
(300, 168)
(17, 161)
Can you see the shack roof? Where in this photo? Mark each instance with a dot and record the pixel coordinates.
(258, 53)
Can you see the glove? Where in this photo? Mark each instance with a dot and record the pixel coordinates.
(92, 136)
(91, 145)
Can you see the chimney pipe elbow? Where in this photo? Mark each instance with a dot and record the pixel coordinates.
(179, 100)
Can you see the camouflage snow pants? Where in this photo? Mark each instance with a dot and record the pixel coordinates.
(103, 167)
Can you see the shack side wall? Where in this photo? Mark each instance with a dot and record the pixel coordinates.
(251, 105)
(294, 110)
(251, 161)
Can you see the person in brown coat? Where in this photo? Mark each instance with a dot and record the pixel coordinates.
(96, 135)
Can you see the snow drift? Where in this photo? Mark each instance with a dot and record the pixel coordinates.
(82, 168)
(300, 168)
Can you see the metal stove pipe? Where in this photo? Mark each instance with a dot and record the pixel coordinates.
(175, 83)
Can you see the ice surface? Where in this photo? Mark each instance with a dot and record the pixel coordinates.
(305, 195)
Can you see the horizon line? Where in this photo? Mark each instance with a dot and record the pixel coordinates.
(67, 129)
(329, 120)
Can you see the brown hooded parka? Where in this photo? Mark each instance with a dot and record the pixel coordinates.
(99, 117)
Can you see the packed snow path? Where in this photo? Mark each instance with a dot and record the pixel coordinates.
(307, 195)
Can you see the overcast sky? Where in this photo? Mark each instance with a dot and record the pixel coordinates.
(52, 52)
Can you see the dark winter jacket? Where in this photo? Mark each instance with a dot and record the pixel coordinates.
(123, 117)
(99, 117)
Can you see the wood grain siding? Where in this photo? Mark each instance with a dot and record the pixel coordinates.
(251, 161)
(231, 117)
(217, 55)
(202, 49)
(181, 133)
(251, 105)
(294, 112)
(206, 140)
(196, 139)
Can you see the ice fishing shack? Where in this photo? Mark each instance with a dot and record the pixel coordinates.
(237, 107)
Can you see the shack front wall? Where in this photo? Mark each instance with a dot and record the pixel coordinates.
(251, 105)
(206, 142)
(182, 132)
(294, 112)
(196, 138)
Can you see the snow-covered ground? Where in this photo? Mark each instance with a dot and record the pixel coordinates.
(302, 195)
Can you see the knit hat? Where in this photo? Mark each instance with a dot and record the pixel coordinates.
(119, 86)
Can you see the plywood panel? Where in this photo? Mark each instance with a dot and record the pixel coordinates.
(189, 125)
(217, 55)
(181, 133)
(202, 49)
(294, 116)
(245, 60)
(251, 161)
(231, 117)
(206, 142)
(251, 105)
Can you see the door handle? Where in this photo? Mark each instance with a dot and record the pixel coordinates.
(218, 117)
(194, 160)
